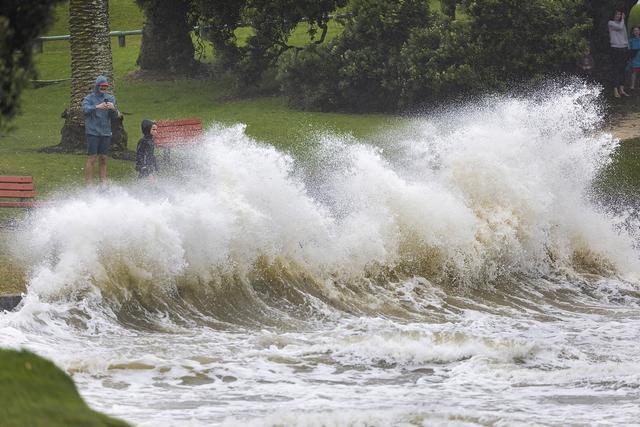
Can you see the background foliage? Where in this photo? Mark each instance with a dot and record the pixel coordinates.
(272, 24)
(385, 55)
(396, 54)
(361, 68)
(21, 21)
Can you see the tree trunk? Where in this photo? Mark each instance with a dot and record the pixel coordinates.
(166, 37)
(90, 57)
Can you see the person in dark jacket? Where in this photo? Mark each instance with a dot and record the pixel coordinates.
(99, 107)
(146, 163)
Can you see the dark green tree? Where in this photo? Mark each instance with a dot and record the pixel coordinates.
(519, 41)
(448, 8)
(438, 63)
(21, 22)
(306, 79)
(166, 36)
(361, 69)
(395, 55)
(219, 20)
(272, 22)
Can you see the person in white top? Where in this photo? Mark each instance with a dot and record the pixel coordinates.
(619, 53)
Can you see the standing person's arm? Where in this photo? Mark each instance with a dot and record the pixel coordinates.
(618, 34)
(617, 25)
(149, 159)
(115, 113)
(144, 162)
(138, 157)
(88, 107)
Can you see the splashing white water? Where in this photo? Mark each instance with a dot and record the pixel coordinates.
(482, 192)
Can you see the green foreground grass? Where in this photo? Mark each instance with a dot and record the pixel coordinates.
(35, 393)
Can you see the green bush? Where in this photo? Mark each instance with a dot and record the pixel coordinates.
(448, 8)
(395, 54)
(438, 62)
(303, 76)
(360, 69)
(520, 41)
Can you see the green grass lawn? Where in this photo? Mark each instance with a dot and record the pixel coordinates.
(34, 392)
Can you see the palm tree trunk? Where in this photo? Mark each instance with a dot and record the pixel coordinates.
(90, 57)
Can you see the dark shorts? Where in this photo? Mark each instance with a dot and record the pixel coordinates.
(98, 145)
(619, 57)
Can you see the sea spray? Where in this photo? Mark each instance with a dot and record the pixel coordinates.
(500, 190)
(501, 193)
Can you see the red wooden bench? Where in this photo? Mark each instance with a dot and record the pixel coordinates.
(20, 191)
(172, 133)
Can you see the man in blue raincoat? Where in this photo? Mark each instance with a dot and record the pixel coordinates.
(99, 107)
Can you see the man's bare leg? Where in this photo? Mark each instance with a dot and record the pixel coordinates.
(88, 175)
(102, 169)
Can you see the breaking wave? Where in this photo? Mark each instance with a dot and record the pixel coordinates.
(473, 200)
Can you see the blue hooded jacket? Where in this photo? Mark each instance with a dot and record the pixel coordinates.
(97, 122)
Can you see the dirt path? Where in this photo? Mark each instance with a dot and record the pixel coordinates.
(626, 126)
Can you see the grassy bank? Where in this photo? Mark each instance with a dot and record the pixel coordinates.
(621, 180)
(34, 392)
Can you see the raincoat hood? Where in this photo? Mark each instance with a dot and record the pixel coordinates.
(146, 127)
(100, 80)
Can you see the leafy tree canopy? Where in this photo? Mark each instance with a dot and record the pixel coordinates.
(272, 22)
(21, 22)
(395, 54)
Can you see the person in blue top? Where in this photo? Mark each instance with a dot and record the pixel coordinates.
(634, 49)
(99, 107)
